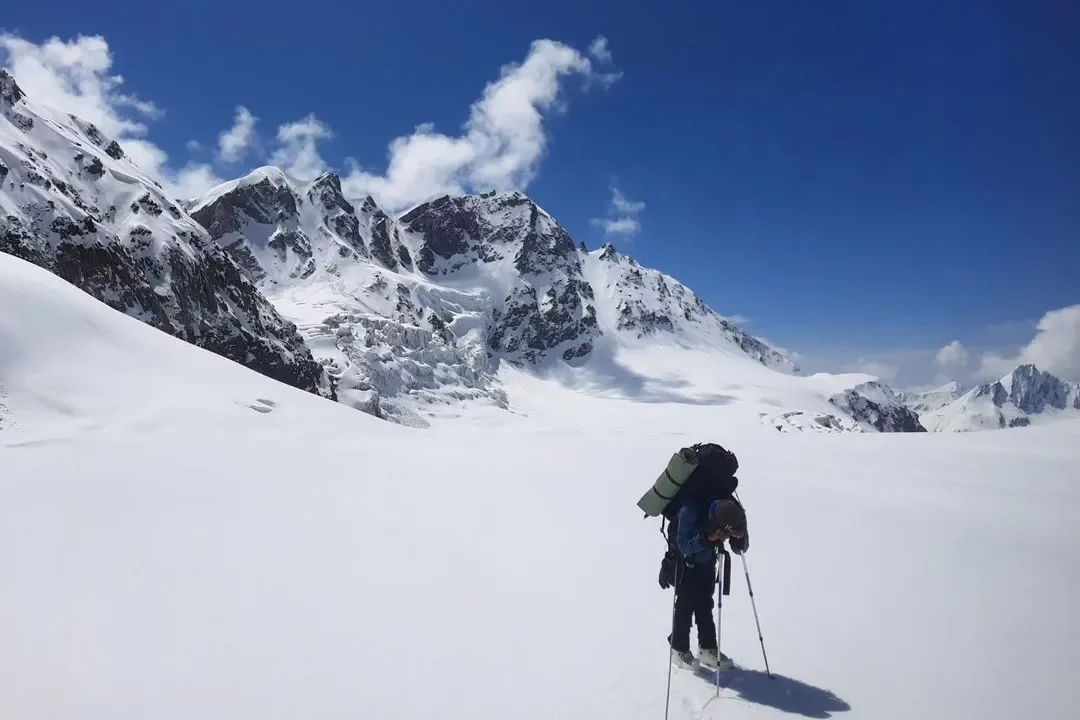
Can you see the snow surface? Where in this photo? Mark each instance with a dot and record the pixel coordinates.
(182, 538)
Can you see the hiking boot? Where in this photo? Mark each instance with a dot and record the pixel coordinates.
(684, 659)
(713, 659)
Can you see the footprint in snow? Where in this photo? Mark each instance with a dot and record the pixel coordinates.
(262, 406)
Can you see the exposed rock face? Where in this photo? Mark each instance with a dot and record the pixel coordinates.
(876, 405)
(72, 203)
(547, 306)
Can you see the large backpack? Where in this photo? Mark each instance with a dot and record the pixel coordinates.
(698, 473)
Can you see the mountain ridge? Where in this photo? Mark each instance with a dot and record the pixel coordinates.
(1024, 396)
(488, 278)
(71, 202)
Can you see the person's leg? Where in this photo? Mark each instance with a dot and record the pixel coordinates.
(704, 588)
(685, 601)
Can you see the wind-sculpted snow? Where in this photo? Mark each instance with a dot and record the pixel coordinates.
(71, 202)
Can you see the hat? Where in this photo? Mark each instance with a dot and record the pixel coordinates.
(728, 513)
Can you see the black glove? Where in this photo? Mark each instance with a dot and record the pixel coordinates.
(667, 570)
(740, 545)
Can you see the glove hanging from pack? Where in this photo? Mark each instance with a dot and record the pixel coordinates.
(667, 570)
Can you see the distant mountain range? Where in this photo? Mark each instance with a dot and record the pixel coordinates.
(1024, 396)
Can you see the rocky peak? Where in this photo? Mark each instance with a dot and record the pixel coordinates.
(261, 199)
(607, 252)
(456, 231)
(10, 92)
(327, 189)
(876, 406)
(1033, 390)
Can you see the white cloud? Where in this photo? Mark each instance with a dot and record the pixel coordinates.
(621, 212)
(620, 226)
(233, 142)
(953, 355)
(502, 141)
(623, 205)
(298, 154)
(885, 371)
(599, 49)
(1055, 348)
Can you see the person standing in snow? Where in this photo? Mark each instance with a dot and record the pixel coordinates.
(699, 533)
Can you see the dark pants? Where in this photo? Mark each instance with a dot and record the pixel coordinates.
(694, 587)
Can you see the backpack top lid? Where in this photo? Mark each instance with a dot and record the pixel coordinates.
(715, 460)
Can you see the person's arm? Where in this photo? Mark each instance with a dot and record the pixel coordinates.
(689, 538)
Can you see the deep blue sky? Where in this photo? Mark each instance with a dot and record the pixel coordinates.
(853, 178)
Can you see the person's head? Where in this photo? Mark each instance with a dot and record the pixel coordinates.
(728, 520)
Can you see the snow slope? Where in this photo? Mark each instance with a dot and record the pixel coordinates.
(924, 400)
(232, 547)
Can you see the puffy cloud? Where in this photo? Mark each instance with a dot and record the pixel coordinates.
(298, 152)
(233, 142)
(501, 144)
(599, 49)
(885, 371)
(620, 226)
(953, 355)
(621, 211)
(1055, 348)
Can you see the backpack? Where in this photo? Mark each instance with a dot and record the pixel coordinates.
(698, 473)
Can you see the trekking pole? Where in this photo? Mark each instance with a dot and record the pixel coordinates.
(670, 660)
(723, 580)
(753, 604)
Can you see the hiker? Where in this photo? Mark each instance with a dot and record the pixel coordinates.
(698, 532)
(696, 494)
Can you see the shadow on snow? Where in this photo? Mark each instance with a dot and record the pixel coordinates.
(779, 692)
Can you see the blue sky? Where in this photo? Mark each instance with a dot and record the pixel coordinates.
(864, 184)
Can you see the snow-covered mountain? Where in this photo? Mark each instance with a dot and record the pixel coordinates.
(874, 404)
(72, 202)
(411, 315)
(1024, 396)
(927, 400)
